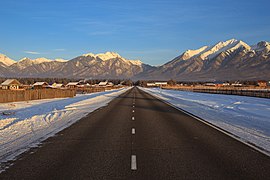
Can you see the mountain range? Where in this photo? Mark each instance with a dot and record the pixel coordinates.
(229, 60)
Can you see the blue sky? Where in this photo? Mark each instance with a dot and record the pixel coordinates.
(154, 31)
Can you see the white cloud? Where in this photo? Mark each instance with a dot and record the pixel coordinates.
(31, 52)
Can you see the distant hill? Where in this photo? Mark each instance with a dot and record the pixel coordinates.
(107, 65)
(229, 60)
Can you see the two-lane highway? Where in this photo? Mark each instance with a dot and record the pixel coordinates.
(139, 137)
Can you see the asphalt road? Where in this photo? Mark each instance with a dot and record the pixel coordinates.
(139, 137)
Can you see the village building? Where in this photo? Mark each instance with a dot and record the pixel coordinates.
(237, 84)
(262, 83)
(73, 85)
(40, 85)
(209, 84)
(157, 84)
(150, 84)
(161, 83)
(110, 84)
(57, 86)
(103, 83)
(11, 84)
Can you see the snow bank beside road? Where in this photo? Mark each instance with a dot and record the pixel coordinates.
(245, 117)
(31, 122)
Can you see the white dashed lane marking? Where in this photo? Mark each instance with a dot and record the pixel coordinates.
(133, 131)
(133, 118)
(133, 162)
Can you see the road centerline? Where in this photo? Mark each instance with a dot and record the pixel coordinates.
(133, 131)
(133, 162)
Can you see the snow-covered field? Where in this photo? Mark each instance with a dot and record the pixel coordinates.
(31, 122)
(245, 117)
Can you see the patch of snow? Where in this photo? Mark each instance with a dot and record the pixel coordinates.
(245, 117)
(29, 123)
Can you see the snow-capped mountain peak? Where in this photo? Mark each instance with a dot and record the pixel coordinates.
(24, 59)
(191, 53)
(112, 55)
(60, 60)
(229, 45)
(89, 54)
(41, 60)
(108, 55)
(103, 56)
(6, 60)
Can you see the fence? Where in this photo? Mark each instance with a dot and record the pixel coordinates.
(241, 91)
(95, 89)
(27, 95)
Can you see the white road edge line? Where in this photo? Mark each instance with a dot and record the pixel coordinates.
(265, 152)
(133, 131)
(133, 162)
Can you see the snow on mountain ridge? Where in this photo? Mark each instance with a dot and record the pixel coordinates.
(41, 60)
(104, 57)
(6, 60)
(135, 62)
(218, 48)
(112, 55)
(60, 60)
(191, 53)
(209, 52)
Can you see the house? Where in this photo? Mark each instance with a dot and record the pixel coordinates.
(209, 84)
(237, 84)
(40, 85)
(151, 84)
(11, 84)
(262, 83)
(73, 85)
(57, 86)
(156, 84)
(103, 83)
(161, 83)
(110, 84)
